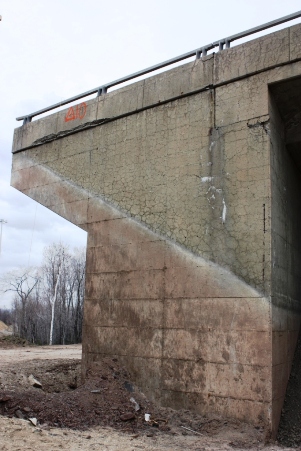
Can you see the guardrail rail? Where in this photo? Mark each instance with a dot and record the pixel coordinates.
(201, 51)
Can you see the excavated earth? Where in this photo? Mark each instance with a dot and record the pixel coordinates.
(44, 405)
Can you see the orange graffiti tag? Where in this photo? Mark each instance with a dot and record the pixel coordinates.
(76, 112)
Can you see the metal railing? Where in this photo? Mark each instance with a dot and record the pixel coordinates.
(201, 51)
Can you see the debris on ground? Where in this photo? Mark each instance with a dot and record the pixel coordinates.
(109, 401)
(34, 382)
(107, 398)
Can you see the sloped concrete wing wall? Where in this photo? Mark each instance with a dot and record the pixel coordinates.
(171, 178)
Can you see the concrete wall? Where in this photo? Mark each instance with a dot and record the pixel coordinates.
(171, 177)
(286, 249)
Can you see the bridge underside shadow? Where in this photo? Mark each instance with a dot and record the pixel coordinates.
(286, 241)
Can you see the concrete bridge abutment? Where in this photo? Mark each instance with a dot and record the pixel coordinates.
(188, 186)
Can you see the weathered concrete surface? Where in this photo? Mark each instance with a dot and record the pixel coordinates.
(285, 120)
(186, 186)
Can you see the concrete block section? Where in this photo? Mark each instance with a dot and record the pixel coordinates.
(242, 409)
(17, 140)
(143, 370)
(248, 98)
(295, 42)
(126, 285)
(119, 231)
(237, 381)
(98, 210)
(234, 314)
(43, 185)
(146, 372)
(78, 163)
(242, 100)
(22, 162)
(144, 342)
(124, 100)
(114, 257)
(77, 115)
(196, 281)
(54, 191)
(32, 131)
(75, 212)
(218, 346)
(31, 177)
(124, 313)
(181, 400)
(184, 375)
(176, 82)
(253, 56)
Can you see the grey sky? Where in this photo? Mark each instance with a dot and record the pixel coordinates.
(52, 50)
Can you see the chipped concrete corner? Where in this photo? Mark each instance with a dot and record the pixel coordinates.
(188, 184)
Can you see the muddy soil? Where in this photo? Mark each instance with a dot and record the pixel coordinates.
(107, 412)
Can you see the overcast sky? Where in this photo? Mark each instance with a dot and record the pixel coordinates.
(52, 50)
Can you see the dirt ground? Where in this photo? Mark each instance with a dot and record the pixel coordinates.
(107, 412)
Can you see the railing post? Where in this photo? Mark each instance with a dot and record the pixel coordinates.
(200, 52)
(102, 90)
(27, 119)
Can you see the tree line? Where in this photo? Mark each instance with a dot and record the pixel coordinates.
(48, 301)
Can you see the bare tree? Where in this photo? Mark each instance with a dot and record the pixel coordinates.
(53, 304)
(22, 282)
(56, 258)
(78, 272)
(48, 303)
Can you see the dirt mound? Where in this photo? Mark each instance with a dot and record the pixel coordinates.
(3, 326)
(107, 398)
(7, 340)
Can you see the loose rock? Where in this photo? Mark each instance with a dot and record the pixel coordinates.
(127, 416)
(19, 414)
(34, 421)
(34, 382)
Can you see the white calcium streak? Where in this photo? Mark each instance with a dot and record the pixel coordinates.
(224, 212)
(206, 179)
